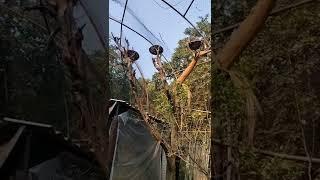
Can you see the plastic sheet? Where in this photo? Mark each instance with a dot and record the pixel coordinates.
(138, 155)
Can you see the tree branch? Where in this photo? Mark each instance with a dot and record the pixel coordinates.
(248, 29)
(191, 66)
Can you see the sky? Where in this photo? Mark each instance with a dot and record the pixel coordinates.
(167, 25)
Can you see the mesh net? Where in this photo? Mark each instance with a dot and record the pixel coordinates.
(158, 22)
(154, 22)
(92, 13)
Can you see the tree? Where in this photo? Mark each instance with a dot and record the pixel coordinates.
(190, 114)
(119, 84)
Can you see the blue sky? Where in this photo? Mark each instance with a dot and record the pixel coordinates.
(161, 20)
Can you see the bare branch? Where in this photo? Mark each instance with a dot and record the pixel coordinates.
(191, 66)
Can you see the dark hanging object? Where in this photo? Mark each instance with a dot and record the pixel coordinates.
(195, 45)
(153, 49)
(133, 55)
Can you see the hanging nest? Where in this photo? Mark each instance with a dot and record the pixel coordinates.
(133, 55)
(195, 44)
(155, 49)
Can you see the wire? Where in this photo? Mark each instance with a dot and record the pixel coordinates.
(93, 24)
(123, 14)
(173, 8)
(139, 21)
(131, 30)
(139, 34)
(168, 7)
(188, 8)
(164, 43)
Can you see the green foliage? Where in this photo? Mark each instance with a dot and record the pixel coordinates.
(259, 167)
(228, 108)
(160, 104)
(203, 25)
(280, 65)
(280, 169)
(119, 83)
(182, 54)
(195, 90)
(35, 77)
(191, 98)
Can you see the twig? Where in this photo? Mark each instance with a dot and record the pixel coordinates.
(303, 136)
(144, 85)
(25, 18)
(288, 156)
(52, 36)
(273, 154)
(45, 18)
(195, 162)
(201, 111)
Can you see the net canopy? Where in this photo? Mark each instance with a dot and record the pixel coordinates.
(154, 22)
(92, 13)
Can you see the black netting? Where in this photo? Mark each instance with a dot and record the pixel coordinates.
(143, 23)
(92, 13)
